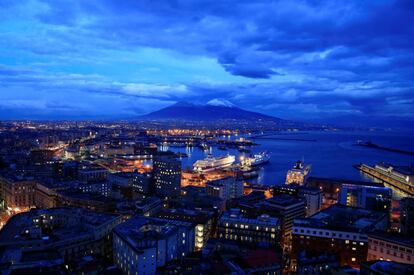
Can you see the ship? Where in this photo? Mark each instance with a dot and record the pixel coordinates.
(257, 159)
(211, 163)
(398, 177)
(298, 174)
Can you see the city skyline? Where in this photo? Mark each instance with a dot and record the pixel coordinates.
(299, 60)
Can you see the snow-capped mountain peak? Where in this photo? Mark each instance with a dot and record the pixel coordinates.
(220, 102)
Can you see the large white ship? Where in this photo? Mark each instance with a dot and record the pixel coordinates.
(210, 163)
(298, 174)
(256, 160)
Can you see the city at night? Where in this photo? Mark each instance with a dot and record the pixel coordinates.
(206, 137)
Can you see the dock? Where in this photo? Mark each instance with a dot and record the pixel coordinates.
(388, 179)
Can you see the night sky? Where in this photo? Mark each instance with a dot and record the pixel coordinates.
(308, 60)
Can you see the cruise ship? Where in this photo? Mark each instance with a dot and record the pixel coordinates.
(399, 177)
(257, 159)
(210, 163)
(298, 174)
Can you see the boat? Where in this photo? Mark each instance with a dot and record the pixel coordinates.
(223, 148)
(298, 174)
(211, 163)
(257, 159)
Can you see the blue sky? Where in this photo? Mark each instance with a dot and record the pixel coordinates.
(317, 60)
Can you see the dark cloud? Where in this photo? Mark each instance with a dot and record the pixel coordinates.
(289, 58)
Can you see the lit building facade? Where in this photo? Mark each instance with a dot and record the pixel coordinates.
(18, 192)
(313, 199)
(167, 176)
(286, 208)
(339, 230)
(226, 188)
(201, 220)
(141, 245)
(140, 183)
(368, 197)
(264, 230)
(390, 247)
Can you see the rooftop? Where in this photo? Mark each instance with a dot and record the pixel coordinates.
(236, 216)
(393, 237)
(138, 231)
(128, 175)
(52, 225)
(387, 267)
(282, 200)
(183, 214)
(344, 218)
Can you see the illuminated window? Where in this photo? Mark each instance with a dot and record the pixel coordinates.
(353, 259)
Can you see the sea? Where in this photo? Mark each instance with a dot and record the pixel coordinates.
(331, 154)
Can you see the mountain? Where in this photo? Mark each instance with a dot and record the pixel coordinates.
(216, 109)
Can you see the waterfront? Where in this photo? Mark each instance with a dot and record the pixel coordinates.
(331, 154)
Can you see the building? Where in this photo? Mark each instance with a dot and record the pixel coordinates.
(313, 199)
(195, 198)
(140, 183)
(286, 208)
(221, 256)
(407, 216)
(202, 221)
(167, 176)
(390, 247)
(92, 174)
(315, 264)
(148, 206)
(262, 231)
(225, 188)
(103, 188)
(45, 196)
(18, 191)
(331, 187)
(68, 232)
(91, 201)
(311, 195)
(369, 197)
(339, 230)
(141, 245)
(298, 174)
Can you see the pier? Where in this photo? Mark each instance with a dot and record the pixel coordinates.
(403, 187)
